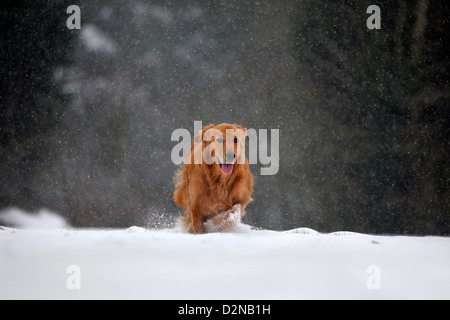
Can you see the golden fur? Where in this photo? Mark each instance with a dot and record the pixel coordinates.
(204, 190)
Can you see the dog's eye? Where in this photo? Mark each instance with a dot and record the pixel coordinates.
(220, 140)
(236, 140)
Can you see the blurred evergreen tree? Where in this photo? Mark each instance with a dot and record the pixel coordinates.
(34, 42)
(381, 99)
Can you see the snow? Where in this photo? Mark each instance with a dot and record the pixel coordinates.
(140, 263)
(43, 219)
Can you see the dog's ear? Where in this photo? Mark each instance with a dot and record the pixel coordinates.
(198, 138)
(200, 135)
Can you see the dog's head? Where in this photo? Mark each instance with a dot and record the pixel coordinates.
(223, 146)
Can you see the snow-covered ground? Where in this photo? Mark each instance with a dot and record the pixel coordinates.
(138, 263)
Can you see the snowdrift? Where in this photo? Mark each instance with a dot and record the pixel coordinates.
(138, 263)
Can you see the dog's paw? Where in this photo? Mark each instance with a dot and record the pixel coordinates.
(234, 214)
(224, 220)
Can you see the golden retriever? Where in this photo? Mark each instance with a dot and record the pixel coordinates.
(220, 185)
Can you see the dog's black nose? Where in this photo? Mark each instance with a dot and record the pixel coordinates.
(229, 157)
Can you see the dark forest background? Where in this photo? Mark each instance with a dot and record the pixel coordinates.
(86, 115)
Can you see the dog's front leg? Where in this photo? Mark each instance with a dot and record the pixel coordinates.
(196, 225)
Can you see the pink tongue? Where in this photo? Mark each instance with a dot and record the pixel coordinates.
(227, 168)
